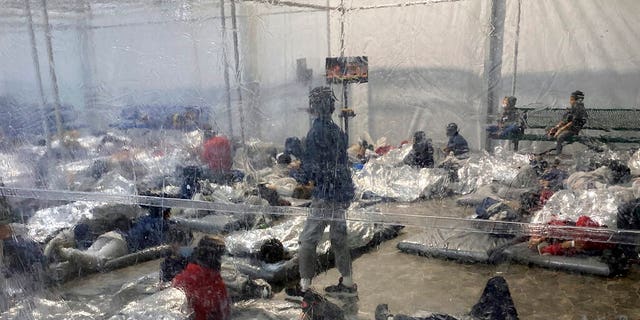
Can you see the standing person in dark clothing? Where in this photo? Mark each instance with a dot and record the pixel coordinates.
(421, 155)
(572, 121)
(457, 143)
(325, 165)
(202, 283)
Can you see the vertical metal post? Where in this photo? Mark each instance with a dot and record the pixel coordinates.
(342, 17)
(236, 56)
(52, 69)
(345, 85)
(87, 57)
(493, 61)
(36, 65)
(328, 28)
(515, 51)
(226, 66)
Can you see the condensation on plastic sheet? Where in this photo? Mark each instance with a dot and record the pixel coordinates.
(599, 204)
(634, 163)
(387, 177)
(17, 167)
(484, 169)
(586, 159)
(46, 222)
(170, 304)
(42, 308)
(243, 243)
(265, 310)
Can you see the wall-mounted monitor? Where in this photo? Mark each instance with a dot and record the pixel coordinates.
(347, 69)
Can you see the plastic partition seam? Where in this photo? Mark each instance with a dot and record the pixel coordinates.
(602, 235)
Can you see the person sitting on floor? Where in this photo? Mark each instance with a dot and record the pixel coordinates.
(421, 154)
(217, 155)
(457, 144)
(202, 283)
(179, 256)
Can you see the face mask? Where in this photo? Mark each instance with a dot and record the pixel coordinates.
(185, 251)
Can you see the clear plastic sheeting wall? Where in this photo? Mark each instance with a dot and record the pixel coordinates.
(150, 150)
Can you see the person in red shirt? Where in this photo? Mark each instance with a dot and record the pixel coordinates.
(579, 241)
(216, 153)
(202, 283)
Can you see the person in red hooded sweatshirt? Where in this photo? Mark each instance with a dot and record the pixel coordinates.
(202, 283)
(216, 152)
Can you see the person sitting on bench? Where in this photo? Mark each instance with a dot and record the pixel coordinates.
(572, 121)
(508, 124)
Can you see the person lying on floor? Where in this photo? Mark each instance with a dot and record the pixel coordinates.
(551, 180)
(577, 242)
(149, 231)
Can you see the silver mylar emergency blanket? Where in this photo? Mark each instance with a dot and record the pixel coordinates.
(244, 243)
(388, 177)
(169, 304)
(599, 204)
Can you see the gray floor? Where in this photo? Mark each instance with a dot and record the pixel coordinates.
(409, 284)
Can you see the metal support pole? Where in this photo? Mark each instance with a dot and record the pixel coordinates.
(515, 51)
(493, 61)
(36, 65)
(236, 56)
(345, 106)
(226, 66)
(328, 29)
(87, 57)
(52, 69)
(345, 102)
(342, 17)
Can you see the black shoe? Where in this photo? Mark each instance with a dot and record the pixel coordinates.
(295, 293)
(340, 290)
(317, 307)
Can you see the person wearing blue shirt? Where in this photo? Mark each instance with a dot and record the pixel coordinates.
(150, 230)
(457, 143)
(325, 165)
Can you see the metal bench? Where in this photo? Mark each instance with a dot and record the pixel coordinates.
(610, 125)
